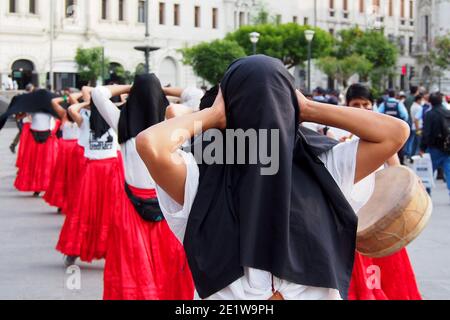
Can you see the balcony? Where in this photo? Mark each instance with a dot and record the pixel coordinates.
(420, 49)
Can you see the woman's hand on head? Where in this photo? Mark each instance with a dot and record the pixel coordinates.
(220, 111)
(303, 105)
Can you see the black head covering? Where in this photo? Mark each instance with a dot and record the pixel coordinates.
(296, 224)
(98, 125)
(37, 101)
(145, 107)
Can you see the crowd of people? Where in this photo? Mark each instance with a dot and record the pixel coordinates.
(121, 163)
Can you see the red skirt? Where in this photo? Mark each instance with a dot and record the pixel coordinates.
(145, 261)
(36, 164)
(86, 229)
(78, 169)
(25, 136)
(389, 278)
(64, 174)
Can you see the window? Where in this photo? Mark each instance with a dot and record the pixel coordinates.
(279, 19)
(361, 6)
(141, 11)
(197, 17)
(104, 9)
(306, 21)
(241, 18)
(411, 43)
(295, 19)
(345, 5)
(70, 9)
(376, 3)
(176, 14)
(411, 9)
(12, 6)
(162, 13)
(391, 8)
(402, 8)
(427, 28)
(121, 10)
(32, 7)
(331, 31)
(331, 4)
(215, 18)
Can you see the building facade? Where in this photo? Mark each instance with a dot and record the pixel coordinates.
(432, 21)
(33, 41)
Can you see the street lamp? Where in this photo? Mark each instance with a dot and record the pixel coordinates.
(147, 48)
(103, 42)
(254, 38)
(309, 35)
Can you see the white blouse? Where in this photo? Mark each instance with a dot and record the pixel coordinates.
(136, 173)
(104, 147)
(257, 284)
(41, 121)
(70, 131)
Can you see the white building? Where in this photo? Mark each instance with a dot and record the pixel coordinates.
(118, 26)
(432, 21)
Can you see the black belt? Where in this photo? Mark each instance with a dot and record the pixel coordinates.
(41, 136)
(148, 209)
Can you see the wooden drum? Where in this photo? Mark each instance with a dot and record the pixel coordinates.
(395, 215)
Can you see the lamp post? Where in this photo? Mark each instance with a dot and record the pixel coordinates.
(103, 42)
(147, 48)
(309, 35)
(254, 38)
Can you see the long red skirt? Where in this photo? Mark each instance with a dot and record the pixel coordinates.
(63, 175)
(25, 136)
(145, 261)
(86, 230)
(78, 169)
(36, 165)
(389, 278)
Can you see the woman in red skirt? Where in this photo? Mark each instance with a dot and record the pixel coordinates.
(388, 278)
(145, 261)
(25, 136)
(86, 229)
(39, 156)
(64, 173)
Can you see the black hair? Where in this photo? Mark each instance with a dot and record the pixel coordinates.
(436, 99)
(413, 89)
(358, 91)
(418, 98)
(391, 93)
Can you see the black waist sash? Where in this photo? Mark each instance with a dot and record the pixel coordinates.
(41, 136)
(148, 209)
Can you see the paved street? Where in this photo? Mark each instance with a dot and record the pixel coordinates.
(30, 267)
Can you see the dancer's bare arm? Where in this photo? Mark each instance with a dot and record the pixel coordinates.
(74, 111)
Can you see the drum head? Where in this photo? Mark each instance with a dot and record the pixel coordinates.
(393, 192)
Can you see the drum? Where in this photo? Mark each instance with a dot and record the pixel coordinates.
(395, 215)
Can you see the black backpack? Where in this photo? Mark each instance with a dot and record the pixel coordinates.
(445, 116)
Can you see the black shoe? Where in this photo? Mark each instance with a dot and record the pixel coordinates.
(70, 260)
(12, 148)
(36, 194)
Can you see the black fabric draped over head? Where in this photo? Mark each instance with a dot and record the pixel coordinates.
(145, 107)
(295, 224)
(98, 125)
(37, 101)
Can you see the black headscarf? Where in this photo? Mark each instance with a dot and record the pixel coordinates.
(145, 107)
(37, 101)
(296, 224)
(98, 125)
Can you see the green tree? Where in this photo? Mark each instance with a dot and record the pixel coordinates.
(90, 64)
(342, 69)
(438, 58)
(210, 60)
(286, 42)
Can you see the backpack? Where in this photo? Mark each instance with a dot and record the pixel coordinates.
(445, 117)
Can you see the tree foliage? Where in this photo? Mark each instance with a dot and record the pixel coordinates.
(343, 69)
(90, 64)
(286, 42)
(210, 60)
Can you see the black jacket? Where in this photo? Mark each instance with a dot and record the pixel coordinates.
(434, 130)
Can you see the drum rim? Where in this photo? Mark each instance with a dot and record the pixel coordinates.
(410, 237)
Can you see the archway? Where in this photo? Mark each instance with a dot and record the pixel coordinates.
(23, 73)
(168, 72)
